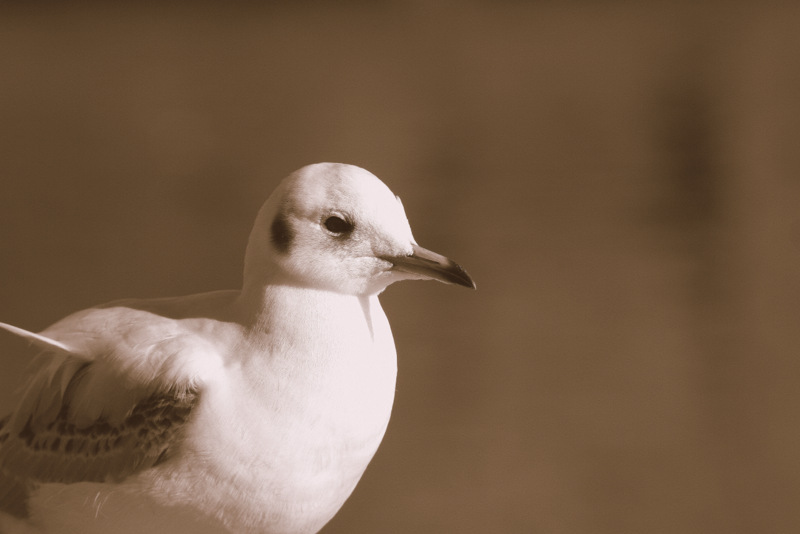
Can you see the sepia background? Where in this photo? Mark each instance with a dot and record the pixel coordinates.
(621, 179)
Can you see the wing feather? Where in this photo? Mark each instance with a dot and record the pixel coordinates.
(81, 419)
(61, 451)
(42, 342)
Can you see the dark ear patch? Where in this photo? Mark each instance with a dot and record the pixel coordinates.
(281, 233)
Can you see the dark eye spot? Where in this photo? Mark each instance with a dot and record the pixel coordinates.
(338, 226)
(281, 233)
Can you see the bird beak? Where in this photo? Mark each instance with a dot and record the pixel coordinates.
(427, 264)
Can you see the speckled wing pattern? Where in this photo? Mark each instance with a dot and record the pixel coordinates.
(45, 441)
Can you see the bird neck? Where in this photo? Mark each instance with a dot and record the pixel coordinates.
(263, 306)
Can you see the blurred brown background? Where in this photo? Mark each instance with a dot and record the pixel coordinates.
(620, 178)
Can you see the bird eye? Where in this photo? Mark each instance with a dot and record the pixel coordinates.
(337, 225)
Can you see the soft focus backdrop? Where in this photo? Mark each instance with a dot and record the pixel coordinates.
(620, 178)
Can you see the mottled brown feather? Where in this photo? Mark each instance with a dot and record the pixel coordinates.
(48, 446)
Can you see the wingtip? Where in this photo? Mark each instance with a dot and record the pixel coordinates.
(39, 340)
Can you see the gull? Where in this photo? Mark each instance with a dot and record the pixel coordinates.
(248, 411)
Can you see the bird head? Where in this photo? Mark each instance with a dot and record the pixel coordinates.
(338, 227)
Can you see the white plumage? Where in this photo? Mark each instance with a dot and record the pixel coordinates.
(248, 411)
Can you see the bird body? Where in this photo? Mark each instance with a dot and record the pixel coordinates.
(249, 411)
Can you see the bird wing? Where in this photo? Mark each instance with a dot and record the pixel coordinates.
(95, 415)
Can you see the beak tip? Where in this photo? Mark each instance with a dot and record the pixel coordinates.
(462, 278)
